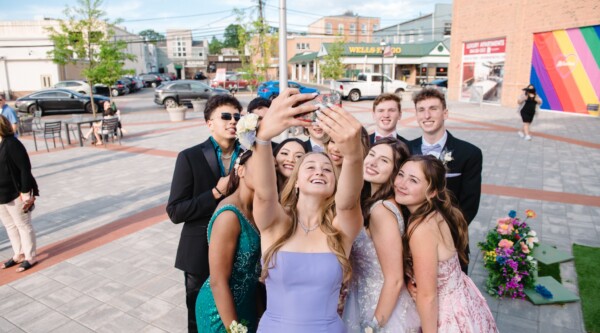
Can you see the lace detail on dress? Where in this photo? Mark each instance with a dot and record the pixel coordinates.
(462, 308)
(366, 283)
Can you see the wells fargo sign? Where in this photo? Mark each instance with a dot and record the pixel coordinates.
(371, 50)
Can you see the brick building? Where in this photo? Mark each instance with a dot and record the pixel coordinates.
(500, 47)
(354, 28)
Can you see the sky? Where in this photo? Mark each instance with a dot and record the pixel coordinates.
(207, 18)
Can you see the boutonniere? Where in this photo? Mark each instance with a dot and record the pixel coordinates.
(446, 157)
(246, 130)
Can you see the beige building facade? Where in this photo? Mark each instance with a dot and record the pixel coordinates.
(545, 42)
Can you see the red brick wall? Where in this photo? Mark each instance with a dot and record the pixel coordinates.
(517, 20)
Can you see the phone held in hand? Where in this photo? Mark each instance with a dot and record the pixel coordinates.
(321, 100)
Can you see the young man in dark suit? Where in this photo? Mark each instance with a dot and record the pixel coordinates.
(199, 181)
(316, 139)
(387, 111)
(462, 159)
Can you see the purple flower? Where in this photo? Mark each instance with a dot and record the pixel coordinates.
(513, 264)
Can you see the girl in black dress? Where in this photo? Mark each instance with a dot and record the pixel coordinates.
(528, 103)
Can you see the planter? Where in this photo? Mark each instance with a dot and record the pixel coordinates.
(177, 113)
(199, 105)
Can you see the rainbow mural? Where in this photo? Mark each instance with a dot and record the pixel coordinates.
(565, 68)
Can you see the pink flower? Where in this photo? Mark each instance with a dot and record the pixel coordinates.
(524, 248)
(504, 220)
(505, 244)
(505, 229)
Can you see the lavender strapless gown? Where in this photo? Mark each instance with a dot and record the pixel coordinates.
(302, 294)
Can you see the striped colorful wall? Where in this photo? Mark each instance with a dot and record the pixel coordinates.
(565, 68)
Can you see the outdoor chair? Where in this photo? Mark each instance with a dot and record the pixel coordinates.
(110, 129)
(25, 125)
(52, 130)
(37, 119)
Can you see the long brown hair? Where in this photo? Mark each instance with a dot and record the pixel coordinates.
(234, 179)
(6, 128)
(289, 201)
(438, 200)
(399, 154)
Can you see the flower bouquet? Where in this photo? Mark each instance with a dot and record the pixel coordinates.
(236, 327)
(506, 255)
(246, 130)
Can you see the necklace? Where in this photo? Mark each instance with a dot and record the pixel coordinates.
(307, 229)
(226, 157)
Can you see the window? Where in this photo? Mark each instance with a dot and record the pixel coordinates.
(402, 39)
(340, 29)
(60, 94)
(181, 86)
(328, 29)
(420, 34)
(184, 54)
(307, 46)
(352, 29)
(200, 54)
(411, 36)
(447, 28)
(45, 95)
(375, 27)
(199, 86)
(362, 77)
(363, 29)
(46, 81)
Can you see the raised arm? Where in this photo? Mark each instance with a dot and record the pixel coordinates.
(344, 130)
(266, 207)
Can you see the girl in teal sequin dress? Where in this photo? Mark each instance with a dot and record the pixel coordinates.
(230, 292)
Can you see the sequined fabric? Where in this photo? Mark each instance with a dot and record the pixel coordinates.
(462, 308)
(366, 283)
(243, 281)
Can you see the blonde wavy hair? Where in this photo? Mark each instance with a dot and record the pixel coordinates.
(289, 201)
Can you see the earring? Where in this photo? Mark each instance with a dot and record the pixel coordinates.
(297, 191)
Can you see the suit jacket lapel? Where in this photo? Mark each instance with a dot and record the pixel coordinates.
(416, 146)
(211, 157)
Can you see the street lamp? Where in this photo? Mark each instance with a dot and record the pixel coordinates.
(383, 45)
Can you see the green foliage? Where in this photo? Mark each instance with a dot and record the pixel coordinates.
(256, 38)
(215, 46)
(587, 267)
(86, 38)
(232, 36)
(151, 35)
(332, 68)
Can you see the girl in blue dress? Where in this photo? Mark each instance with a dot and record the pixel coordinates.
(306, 238)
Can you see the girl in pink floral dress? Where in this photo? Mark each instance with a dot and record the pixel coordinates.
(447, 300)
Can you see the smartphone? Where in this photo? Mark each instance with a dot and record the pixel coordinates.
(321, 100)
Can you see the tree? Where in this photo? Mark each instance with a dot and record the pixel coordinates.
(215, 46)
(151, 35)
(332, 68)
(86, 38)
(231, 36)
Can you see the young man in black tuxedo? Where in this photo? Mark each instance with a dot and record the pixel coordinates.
(462, 159)
(199, 181)
(387, 111)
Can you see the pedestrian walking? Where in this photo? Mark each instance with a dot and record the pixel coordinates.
(529, 103)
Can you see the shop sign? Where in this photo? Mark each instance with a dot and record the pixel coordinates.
(371, 50)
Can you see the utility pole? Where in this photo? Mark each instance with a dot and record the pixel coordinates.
(261, 29)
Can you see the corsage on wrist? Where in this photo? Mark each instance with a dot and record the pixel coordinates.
(246, 130)
(236, 327)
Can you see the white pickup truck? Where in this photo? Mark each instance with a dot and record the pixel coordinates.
(368, 85)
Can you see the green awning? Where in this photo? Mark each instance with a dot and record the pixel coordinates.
(303, 57)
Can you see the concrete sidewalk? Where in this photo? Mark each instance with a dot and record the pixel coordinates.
(106, 247)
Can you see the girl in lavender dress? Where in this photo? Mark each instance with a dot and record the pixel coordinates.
(447, 300)
(306, 239)
(376, 295)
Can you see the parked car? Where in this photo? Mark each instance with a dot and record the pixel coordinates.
(232, 82)
(57, 100)
(79, 86)
(183, 92)
(439, 84)
(130, 84)
(368, 85)
(151, 80)
(164, 77)
(200, 76)
(173, 76)
(270, 89)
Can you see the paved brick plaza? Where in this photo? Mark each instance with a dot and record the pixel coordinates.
(106, 247)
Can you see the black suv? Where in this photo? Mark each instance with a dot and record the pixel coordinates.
(172, 93)
(151, 80)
